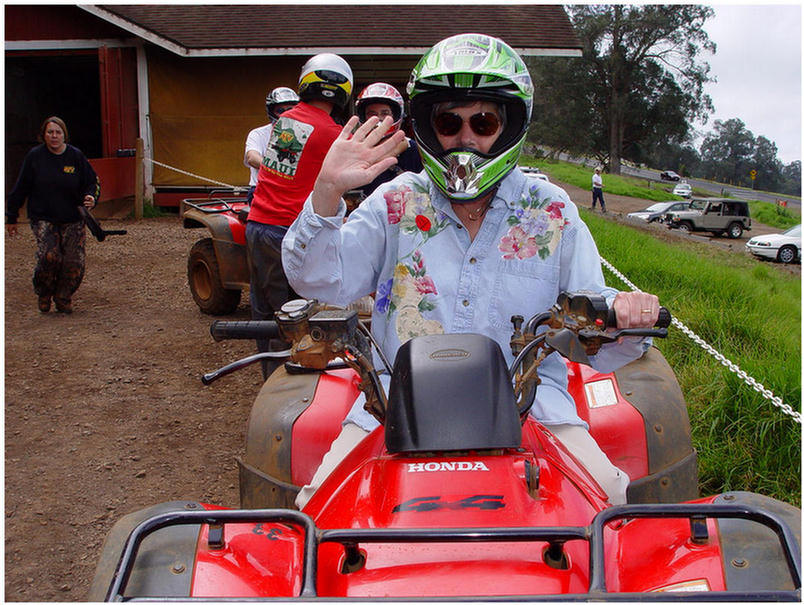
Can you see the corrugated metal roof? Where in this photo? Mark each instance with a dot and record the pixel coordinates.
(349, 29)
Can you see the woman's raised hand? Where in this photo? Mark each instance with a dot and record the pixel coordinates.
(356, 157)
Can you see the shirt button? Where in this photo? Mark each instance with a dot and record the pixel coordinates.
(465, 303)
(472, 260)
(302, 246)
(460, 226)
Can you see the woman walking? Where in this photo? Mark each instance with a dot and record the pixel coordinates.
(56, 179)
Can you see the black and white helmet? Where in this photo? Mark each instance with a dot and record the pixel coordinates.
(326, 76)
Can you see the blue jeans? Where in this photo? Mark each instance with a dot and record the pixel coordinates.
(597, 194)
(269, 288)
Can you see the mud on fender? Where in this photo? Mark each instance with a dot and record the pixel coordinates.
(164, 562)
(753, 558)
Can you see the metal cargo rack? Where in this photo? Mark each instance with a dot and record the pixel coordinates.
(593, 534)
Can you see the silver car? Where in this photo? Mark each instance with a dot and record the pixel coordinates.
(683, 189)
(656, 212)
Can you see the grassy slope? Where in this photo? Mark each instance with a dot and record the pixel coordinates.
(749, 312)
(580, 176)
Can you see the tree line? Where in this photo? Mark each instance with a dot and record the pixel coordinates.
(635, 92)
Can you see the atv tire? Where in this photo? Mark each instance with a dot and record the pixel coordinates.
(204, 278)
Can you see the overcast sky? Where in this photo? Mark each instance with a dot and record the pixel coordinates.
(758, 68)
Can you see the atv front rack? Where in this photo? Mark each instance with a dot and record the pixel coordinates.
(593, 534)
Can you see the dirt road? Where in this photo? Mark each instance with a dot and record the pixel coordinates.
(105, 410)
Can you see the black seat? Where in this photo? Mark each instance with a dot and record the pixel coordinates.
(451, 392)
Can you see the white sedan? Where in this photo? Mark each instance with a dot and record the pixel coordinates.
(784, 247)
(533, 171)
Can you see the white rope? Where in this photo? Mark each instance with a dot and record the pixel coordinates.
(758, 387)
(196, 176)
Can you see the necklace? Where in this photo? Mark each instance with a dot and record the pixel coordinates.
(478, 212)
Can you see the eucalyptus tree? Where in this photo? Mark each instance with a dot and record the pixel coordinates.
(626, 47)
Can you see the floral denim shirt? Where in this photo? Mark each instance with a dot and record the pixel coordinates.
(405, 243)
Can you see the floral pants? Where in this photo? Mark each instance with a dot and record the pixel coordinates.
(60, 258)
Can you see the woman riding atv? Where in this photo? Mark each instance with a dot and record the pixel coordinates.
(462, 246)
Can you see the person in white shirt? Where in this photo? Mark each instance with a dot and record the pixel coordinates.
(597, 190)
(278, 101)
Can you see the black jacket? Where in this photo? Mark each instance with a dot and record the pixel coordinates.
(54, 185)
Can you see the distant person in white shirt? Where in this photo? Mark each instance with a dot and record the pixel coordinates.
(278, 101)
(597, 190)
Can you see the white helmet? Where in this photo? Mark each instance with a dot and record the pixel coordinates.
(380, 92)
(279, 96)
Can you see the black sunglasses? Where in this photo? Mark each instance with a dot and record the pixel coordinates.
(482, 124)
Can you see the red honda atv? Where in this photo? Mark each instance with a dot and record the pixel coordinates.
(459, 493)
(217, 267)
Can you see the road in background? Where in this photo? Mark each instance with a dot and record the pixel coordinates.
(717, 189)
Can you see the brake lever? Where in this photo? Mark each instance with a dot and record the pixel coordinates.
(606, 337)
(656, 332)
(211, 377)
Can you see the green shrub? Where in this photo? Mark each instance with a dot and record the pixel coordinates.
(773, 215)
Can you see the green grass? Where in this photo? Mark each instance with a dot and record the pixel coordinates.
(749, 312)
(773, 215)
(580, 176)
(151, 211)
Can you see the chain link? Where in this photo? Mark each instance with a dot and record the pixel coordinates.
(749, 380)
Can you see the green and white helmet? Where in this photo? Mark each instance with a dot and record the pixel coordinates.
(470, 67)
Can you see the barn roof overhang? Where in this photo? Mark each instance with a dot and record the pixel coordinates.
(241, 30)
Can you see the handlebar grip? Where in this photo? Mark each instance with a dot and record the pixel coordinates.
(243, 330)
(664, 321)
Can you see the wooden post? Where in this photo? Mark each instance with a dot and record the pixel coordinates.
(139, 184)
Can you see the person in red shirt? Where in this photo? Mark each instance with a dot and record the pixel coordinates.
(300, 139)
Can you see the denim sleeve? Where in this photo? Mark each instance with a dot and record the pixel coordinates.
(333, 261)
(581, 270)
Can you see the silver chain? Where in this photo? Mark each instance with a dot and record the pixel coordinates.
(758, 387)
(196, 176)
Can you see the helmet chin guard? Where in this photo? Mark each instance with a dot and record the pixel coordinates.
(461, 176)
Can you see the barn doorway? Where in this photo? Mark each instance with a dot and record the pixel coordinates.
(39, 85)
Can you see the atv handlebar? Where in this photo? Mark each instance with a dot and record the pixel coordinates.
(243, 330)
